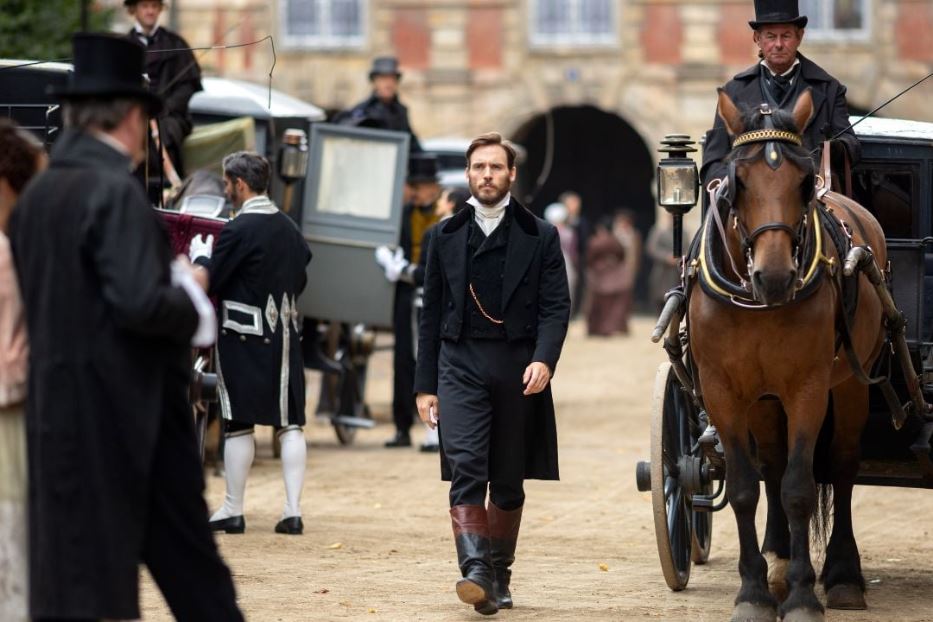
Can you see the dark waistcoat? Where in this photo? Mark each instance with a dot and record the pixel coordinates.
(486, 271)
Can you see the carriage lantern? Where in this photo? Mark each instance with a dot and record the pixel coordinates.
(293, 161)
(678, 182)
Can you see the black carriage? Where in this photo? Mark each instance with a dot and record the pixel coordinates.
(230, 115)
(686, 474)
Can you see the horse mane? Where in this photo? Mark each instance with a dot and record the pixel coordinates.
(752, 119)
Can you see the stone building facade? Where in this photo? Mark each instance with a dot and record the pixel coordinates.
(589, 86)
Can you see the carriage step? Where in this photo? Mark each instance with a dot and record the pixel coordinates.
(643, 476)
(354, 422)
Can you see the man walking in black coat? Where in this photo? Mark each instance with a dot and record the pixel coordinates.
(777, 80)
(496, 308)
(257, 271)
(115, 476)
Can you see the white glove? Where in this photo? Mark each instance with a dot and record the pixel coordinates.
(384, 256)
(396, 266)
(207, 320)
(200, 247)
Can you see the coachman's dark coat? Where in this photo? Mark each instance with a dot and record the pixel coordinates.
(535, 308)
(109, 354)
(831, 114)
(260, 260)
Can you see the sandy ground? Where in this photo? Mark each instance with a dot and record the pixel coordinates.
(378, 545)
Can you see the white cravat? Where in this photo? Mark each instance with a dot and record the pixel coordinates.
(786, 73)
(141, 34)
(488, 218)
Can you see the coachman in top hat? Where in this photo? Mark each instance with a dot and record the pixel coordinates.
(115, 475)
(781, 75)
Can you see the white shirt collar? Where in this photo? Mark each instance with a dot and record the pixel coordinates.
(796, 62)
(258, 205)
(142, 33)
(488, 218)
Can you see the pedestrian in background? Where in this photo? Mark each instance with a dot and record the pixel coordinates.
(115, 476)
(21, 157)
(582, 230)
(257, 272)
(606, 275)
(496, 308)
(623, 227)
(556, 214)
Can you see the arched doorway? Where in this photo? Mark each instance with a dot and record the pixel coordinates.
(592, 152)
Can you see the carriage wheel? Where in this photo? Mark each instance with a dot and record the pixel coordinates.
(683, 535)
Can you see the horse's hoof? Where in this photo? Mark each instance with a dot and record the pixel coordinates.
(777, 576)
(804, 615)
(750, 612)
(846, 596)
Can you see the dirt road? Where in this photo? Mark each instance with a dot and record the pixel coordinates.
(378, 545)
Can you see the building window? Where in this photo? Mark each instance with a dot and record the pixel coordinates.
(836, 19)
(323, 23)
(579, 23)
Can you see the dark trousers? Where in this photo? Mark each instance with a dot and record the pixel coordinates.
(403, 359)
(179, 548)
(483, 419)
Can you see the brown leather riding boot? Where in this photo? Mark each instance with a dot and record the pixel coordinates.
(471, 535)
(503, 536)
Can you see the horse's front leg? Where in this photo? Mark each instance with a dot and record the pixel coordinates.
(769, 427)
(806, 410)
(754, 602)
(842, 573)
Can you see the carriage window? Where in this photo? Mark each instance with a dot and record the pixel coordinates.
(890, 196)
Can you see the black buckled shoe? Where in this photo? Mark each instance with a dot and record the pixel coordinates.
(429, 448)
(471, 535)
(234, 524)
(401, 439)
(292, 525)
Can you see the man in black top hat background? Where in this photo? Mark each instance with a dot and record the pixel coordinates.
(417, 217)
(382, 109)
(115, 475)
(781, 75)
(174, 75)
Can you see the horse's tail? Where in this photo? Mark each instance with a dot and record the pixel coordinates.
(821, 521)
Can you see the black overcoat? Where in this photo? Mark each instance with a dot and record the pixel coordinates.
(536, 307)
(373, 112)
(831, 114)
(109, 338)
(260, 261)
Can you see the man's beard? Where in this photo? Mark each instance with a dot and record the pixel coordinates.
(498, 196)
(234, 198)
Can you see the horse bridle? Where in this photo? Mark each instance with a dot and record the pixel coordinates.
(724, 194)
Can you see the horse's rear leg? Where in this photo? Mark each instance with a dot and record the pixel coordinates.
(754, 602)
(806, 410)
(842, 573)
(769, 427)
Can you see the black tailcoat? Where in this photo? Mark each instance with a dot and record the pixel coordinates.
(260, 261)
(831, 114)
(109, 343)
(535, 308)
(373, 112)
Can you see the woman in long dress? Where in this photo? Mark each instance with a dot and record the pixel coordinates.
(21, 156)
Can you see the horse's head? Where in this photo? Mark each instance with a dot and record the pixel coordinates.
(771, 185)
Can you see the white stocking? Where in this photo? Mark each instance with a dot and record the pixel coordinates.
(294, 457)
(238, 458)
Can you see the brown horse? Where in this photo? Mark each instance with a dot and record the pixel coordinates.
(766, 366)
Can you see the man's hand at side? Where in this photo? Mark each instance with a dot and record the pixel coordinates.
(536, 377)
(426, 403)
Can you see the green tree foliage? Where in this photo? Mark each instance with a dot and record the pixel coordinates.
(42, 29)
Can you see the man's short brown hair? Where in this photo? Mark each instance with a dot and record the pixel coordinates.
(492, 138)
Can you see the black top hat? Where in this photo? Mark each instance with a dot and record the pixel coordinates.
(777, 12)
(108, 66)
(385, 66)
(422, 167)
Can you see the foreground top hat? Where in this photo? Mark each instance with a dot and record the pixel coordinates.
(108, 66)
(777, 12)
(422, 167)
(385, 66)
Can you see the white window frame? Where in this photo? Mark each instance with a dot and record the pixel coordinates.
(577, 38)
(827, 10)
(327, 40)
